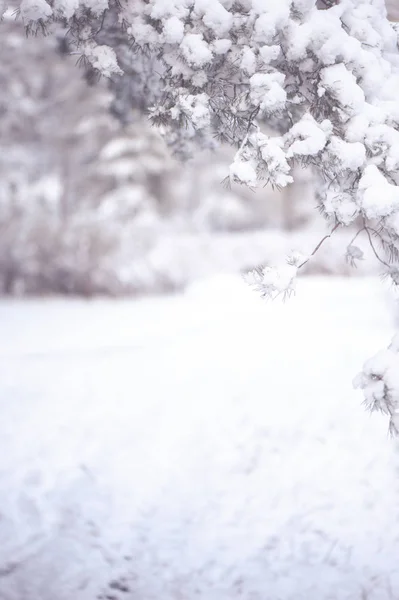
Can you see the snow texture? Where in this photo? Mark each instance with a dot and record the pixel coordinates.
(380, 198)
(203, 446)
(380, 382)
(103, 59)
(38, 9)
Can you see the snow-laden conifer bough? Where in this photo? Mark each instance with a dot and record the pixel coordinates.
(323, 75)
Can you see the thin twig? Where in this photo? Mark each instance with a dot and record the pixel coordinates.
(357, 234)
(320, 244)
(374, 250)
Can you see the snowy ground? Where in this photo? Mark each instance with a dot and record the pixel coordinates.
(207, 446)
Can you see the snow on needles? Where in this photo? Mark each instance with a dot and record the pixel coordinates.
(272, 282)
(378, 198)
(103, 59)
(332, 72)
(379, 381)
(33, 10)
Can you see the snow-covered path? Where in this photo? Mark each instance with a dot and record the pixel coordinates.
(205, 446)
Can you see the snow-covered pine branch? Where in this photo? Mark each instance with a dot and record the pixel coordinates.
(380, 382)
(326, 80)
(323, 75)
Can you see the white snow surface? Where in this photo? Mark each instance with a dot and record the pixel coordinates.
(207, 445)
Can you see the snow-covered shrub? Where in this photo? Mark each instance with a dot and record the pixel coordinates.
(82, 235)
(44, 251)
